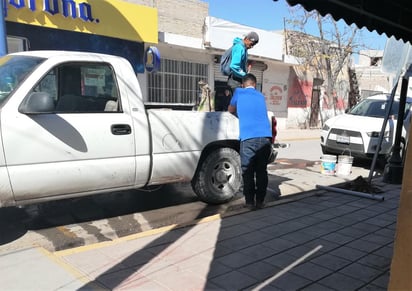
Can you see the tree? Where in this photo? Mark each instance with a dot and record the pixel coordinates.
(326, 55)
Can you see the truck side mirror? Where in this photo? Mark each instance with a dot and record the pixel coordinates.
(37, 103)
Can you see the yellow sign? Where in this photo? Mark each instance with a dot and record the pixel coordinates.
(112, 18)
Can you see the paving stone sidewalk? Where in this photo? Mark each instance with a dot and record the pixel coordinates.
(322, 240)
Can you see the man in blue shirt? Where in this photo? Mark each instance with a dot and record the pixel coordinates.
(239, 61)
(255, 140)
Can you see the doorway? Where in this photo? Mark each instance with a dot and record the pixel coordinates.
(223, 94)
(314, 109)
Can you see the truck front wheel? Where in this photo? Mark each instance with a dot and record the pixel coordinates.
(219, 176)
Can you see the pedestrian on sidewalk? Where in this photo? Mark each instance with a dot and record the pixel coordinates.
(255, 140)
(239, 65)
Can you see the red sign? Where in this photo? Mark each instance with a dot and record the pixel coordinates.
(299, 93)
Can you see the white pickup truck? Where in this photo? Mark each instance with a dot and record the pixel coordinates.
(74, 124)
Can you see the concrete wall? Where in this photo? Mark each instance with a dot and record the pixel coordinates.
(275, 89)
(372, 78)
(184, 17)
(369, 72)
(366, 57)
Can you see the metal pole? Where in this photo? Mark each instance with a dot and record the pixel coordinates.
(355, 193)
(394, 168)
(3, 34)
(385, 122)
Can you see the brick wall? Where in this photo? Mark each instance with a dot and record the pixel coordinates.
(184, 17)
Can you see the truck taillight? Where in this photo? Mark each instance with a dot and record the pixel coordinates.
(274, 130)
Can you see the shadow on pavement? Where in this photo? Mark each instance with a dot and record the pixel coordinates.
(16, 221)
(139, 262)
(11, 226)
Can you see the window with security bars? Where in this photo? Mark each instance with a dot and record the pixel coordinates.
(176, 83)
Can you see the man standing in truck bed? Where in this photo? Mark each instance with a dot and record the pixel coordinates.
(239, 66)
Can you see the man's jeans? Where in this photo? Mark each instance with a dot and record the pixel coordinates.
(233, 83)
(254, 155)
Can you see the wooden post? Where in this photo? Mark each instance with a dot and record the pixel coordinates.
(401, 268)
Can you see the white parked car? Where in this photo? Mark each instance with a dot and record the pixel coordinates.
(356, 132)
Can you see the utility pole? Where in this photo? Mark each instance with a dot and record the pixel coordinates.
(285, 32)
(3, 34)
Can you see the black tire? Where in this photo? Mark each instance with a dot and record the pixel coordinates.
(219, 176)
(325, 151)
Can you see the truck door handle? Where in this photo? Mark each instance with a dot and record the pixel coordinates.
(121, 129)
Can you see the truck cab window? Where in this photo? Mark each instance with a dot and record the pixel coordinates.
(48, 84)
(82, 88)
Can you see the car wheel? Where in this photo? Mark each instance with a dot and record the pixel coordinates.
(219, 176)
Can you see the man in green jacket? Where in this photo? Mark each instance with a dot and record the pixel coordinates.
(239, 63)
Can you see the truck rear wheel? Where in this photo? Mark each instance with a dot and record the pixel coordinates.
(219, 176)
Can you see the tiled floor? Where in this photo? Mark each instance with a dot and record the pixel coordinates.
(328, 241)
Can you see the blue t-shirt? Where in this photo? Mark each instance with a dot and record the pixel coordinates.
(252, 113)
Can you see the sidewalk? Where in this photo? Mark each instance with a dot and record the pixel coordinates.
(285, 135)
(319, 240)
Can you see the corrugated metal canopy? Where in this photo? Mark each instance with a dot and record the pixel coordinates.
(392, 17)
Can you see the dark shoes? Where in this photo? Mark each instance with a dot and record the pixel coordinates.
(260, 205)
(249, 206)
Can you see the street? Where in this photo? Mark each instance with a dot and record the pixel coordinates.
(75, 222)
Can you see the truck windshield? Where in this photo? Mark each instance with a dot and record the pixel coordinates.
(13, 70)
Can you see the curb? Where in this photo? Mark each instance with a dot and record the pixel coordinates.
(190, 211)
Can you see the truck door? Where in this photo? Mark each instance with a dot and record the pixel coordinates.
(85, 145)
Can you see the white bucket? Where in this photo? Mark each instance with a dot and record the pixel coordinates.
(328, 164)
(344, 167)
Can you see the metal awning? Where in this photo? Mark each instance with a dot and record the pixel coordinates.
(385, 16)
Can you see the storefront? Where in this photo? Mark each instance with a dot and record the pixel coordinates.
(113, 27)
